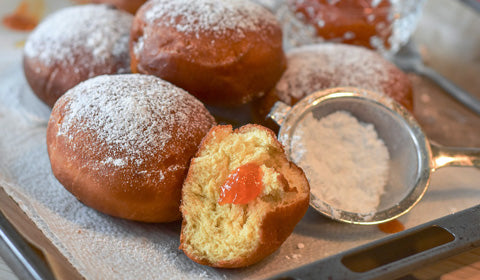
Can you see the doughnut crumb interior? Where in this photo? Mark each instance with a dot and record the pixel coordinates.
(236, 235)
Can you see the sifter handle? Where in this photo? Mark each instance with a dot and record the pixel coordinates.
(279, 112)
(454, 156)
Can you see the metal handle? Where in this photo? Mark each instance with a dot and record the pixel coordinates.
(23, 261)
(457, 233)
(455, 91)
(453, 156)
(474, 4)
(278, 112)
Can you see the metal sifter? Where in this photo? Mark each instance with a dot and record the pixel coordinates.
(413, 158)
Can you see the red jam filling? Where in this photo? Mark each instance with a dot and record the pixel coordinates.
(242, 185)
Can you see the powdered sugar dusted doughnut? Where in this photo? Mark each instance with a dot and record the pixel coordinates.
(317, 67)
(224, 52)
(122, 144)
(75, 44)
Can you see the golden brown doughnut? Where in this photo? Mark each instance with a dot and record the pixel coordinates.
(365, 23)
(241, 199)
(130, 6)
(122, 144)
(316, 67)
(223, 52)
(75, 44)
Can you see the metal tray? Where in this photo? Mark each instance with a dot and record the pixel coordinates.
(436, 228)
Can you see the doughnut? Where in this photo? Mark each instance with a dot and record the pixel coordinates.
(316, 67)
(226, 53)
(121, 144)
(74, 44)
(358, 22)
(241, 199)
(130, 6)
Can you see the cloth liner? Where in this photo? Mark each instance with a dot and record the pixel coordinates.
(103, 247)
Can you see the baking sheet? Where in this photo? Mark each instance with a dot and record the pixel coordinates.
(102, 247)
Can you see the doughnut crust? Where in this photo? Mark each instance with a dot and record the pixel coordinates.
(226, 53)
(236, 235)
(73, 45)
(316, 67)
(122, 144)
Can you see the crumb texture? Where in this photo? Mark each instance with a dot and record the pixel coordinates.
(225, 233)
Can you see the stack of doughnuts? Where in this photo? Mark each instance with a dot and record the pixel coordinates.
(144, 146)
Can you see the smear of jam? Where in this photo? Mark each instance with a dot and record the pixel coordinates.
(347, 21)
(393, 226)
(242, 185)
(26, 16)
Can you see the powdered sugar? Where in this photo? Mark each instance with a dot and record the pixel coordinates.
(98, 31)
(344, 160)
(316, 67)
(133, 115)
(116, 162)
(216, 16)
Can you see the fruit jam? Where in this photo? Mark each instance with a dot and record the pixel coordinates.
(242, 185)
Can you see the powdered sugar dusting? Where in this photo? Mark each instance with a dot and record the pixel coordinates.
(97, 30)
(316, 67)
(345, 161)
(116, 162)
(217, 16)
(133, 115)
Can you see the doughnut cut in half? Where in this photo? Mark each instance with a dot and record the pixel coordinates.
(233, 227)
